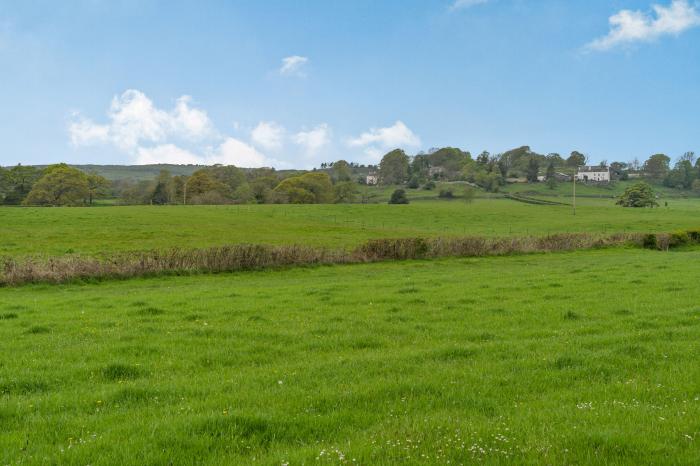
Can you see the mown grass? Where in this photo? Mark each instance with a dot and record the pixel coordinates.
(96, 231)
(587, 357)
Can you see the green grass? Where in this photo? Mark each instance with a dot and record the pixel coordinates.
(611, 190)
(578, 358)
(56, 231)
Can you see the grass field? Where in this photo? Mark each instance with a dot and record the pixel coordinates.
(586, 357)
(56, 231)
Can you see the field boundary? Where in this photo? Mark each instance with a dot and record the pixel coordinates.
(241, 257)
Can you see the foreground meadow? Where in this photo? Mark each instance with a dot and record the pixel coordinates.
(95, 231)
(586, 357)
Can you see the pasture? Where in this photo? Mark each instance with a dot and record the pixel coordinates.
(586, 357)
(95, 231)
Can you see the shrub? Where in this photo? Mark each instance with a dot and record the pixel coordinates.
(638, 195)
(679, 238)
(446, 193)
(413, 183)
(398, 197)
(649, 241)
(429, 186)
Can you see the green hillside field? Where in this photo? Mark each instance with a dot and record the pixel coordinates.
(574, 358)
(56, 231)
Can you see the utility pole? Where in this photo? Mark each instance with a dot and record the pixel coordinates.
(575, 170)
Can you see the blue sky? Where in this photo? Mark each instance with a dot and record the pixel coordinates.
(294, 83)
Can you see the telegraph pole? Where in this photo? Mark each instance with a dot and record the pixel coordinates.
(575, 170)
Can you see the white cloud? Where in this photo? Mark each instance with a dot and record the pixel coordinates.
(166, 153)
(294, 66)
(230, 152)
(462, 4)
(235, 152)
(398, 135)
(268, 135)
(313, 140)
(84, 132)
(377, 141)
(628, 27)
(133, 119)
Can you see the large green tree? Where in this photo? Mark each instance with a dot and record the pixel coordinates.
(576, 159)
(393, 169)
(533, 170)
(341, 171)
(309, 188)
(60, 185)
(638, 195)
(18, 182)
(97, 186)
(656, 167)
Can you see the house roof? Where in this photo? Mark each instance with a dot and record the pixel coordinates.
(589, 169)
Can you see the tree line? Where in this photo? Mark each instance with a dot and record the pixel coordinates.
(491, 172)
(51, 186)
(334, 182)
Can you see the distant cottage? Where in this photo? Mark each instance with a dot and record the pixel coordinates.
(372, 179)
(597, 174)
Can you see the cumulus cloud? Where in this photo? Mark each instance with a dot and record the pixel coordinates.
(462, 4)
(166, 153)
(185, 135)
(377, 141)
(268, 135)
(134, 119)
(629, 27)
(230, 152)
(398, 135)
(235, 152)
(294, 66)
(314, 140)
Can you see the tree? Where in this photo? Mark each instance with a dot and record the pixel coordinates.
(345, 192)
(229, 175)
(451, 160)
(638, 195)
(97, 186)
(656, 167)
(309, 188)
(551, 176)
(202, 187)
(60, 185)
(393, 169)
(681, 176)
(4, 183)
(164, 191)
(398, 197)
(533, 170)
(341, 171)
(696, 186)
(18, 182)
(576, 159)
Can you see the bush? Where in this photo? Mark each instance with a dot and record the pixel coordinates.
(446, 194)
(638, 195)
(679, 238)
(413, 183)
(649, 241)
(429, 186)
(398, 197)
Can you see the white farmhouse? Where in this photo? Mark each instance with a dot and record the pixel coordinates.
(372, 179)
(597, 174)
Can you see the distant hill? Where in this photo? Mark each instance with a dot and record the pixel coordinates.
(137, 172)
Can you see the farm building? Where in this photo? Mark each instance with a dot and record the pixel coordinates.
(372, 179)
(597, 174)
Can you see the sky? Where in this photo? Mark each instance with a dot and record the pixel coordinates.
(292, 84)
